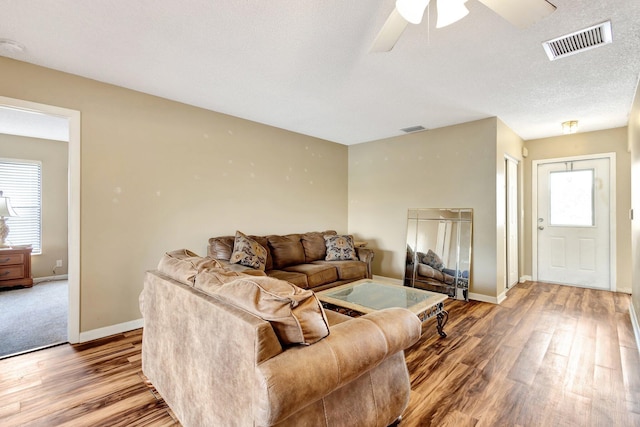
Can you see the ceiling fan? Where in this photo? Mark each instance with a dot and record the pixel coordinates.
(521, 13)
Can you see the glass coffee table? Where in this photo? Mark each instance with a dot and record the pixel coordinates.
(369, 295)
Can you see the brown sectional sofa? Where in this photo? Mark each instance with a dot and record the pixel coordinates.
(298, 259)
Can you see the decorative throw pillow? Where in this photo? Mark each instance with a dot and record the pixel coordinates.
(340, 248)
(432, 259)
(248, 252)
(294, 313)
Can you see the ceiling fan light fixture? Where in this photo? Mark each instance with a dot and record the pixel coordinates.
(412, 10)
(450, 11)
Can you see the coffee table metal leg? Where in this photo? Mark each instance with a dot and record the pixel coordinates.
(443, 317)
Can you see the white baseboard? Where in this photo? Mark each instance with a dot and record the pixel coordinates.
(502, 297)
(472, 296)
(387, 279)
(37, 280)
(525, 279)
(95, 334)
(483, 298)
(624, 290)
(634, 324)
(400, 282)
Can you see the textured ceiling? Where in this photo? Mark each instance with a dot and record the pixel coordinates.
(304, 65)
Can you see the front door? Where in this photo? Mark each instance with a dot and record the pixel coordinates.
(573, 223)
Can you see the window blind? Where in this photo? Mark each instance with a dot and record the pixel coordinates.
(21, 181)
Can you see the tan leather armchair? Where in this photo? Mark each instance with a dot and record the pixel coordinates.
(216, 364)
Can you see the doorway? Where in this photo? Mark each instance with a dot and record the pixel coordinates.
(73, 117)
(573, 218)
(512, 240)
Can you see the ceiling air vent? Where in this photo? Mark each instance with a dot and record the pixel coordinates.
(413, 129)
(579, 41)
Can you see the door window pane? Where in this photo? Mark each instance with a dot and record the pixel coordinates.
(571, 198)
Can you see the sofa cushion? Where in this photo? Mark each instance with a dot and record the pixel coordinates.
(248, 252)
(426, 270)
(347, 270)
(333, 317)
(183, 265)
(298, 279)
(221, 247)
(340, 248)
(286, 250)
(211, 279)
(294, 313)
(410, 254)
(317, 274)
(238, 268)
(314, 246)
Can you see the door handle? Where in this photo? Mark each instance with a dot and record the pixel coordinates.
(540, 227)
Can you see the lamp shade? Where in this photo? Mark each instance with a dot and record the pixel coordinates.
(450, 11)
(412, 10)
(5, 207)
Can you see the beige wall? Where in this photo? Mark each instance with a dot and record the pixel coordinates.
(53, 155)
(606, 141)
(158, 175)
(634, 144)
(441, 168)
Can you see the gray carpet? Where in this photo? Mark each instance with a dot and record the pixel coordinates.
(34, 317)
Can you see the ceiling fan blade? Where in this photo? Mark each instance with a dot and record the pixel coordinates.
(390, 32)
(521, 13)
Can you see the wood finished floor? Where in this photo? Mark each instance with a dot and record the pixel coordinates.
(549, 355)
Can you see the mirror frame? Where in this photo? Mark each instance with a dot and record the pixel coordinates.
(439, 250)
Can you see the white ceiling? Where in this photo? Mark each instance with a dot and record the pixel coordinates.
(304, 65)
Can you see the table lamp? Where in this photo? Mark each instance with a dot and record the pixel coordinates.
(5, 211)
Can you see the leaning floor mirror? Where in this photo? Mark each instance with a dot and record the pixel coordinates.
(439, 250)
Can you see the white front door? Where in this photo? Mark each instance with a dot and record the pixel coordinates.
(572, 223)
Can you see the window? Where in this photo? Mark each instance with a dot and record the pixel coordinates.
(571, 198)
(21, 181)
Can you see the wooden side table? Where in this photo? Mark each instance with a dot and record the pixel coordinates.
(15, 267)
